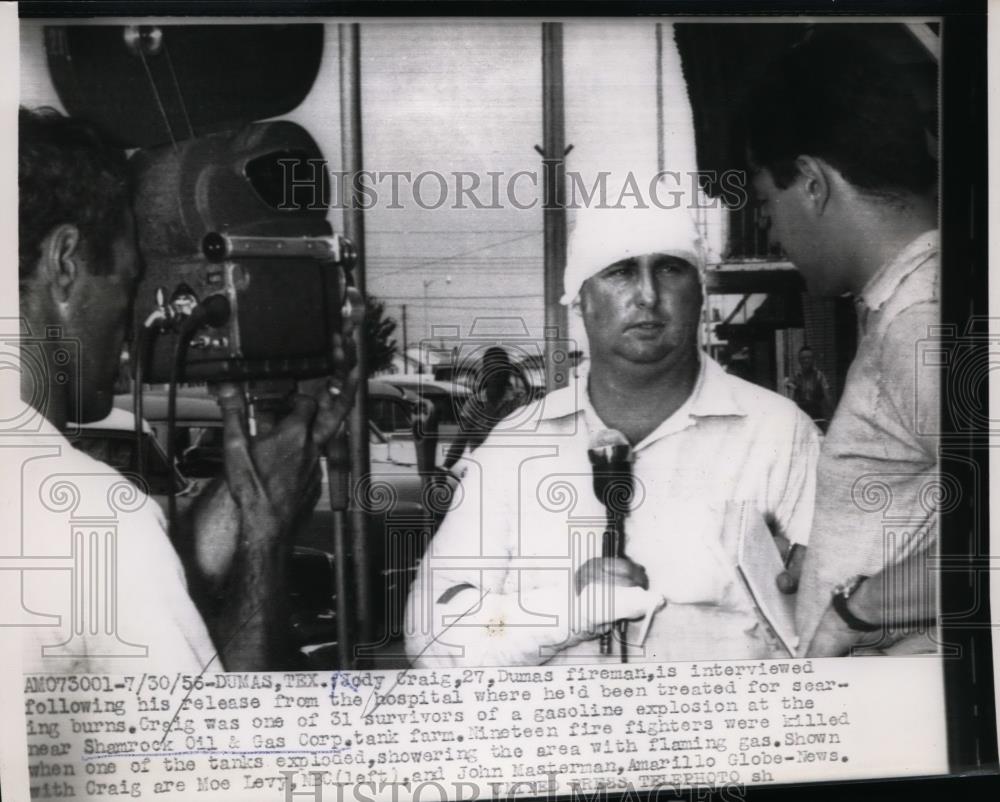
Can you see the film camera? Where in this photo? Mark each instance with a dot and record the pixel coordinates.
(244, 278)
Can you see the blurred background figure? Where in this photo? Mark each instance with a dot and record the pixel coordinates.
(810, 389)
(497, 393)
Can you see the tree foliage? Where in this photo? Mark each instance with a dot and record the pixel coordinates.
(379, 328)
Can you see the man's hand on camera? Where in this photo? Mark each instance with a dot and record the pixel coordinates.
(276, 479)
(273, 478)
(272, 481)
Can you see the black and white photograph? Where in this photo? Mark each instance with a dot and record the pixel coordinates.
(495, 407)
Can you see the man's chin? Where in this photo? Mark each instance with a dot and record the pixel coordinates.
(651, 355)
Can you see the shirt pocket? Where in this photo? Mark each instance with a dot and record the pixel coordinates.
(680, 545)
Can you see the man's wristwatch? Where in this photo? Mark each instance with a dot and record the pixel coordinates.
(841, 595)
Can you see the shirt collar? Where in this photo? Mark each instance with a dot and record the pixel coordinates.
(712, 396)
(887, 278)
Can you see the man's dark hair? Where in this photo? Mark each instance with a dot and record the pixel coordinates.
(805, 348)
(833, 97)
(496, 364)
(495, 355)
(68, 173)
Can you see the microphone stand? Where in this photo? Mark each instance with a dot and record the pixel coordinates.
(613, 486)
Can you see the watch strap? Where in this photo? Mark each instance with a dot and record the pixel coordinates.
(841, 595)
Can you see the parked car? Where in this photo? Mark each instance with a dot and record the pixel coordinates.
(448, 398)
(112, 441)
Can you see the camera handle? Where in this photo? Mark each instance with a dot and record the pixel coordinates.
(338, 249)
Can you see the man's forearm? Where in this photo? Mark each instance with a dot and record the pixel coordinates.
(902, 594)
(251, 627)
(213, 530)
(238, 579)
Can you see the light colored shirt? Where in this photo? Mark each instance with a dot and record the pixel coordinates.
(120, 603)
(525, 518)
(877, 474)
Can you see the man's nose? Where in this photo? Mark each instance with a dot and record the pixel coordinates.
(647, 291)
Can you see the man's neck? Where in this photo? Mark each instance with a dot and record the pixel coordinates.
(51, 405)
(636, 399)
(50, 399)
(882, 230)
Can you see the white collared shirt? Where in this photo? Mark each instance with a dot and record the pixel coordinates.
(120, 602)
(526, 517)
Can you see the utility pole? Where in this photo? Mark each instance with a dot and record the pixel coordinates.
(354, 228)
(553, 153)
(406, 347)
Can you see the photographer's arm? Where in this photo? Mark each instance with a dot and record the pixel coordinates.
(239, 529)
(237, 545)
(212, 531)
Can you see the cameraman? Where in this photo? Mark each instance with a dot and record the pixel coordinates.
(78, 268)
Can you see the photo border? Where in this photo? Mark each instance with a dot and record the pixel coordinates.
(969, 689)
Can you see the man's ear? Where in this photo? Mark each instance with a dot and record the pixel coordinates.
(816, 182)
(61, 261)
(579, 304)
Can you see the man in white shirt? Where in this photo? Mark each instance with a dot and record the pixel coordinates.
(78, 266)
(514, 576)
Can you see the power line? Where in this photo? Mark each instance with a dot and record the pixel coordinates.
(501, 257)
(460, 297)
(455, 231)
(484, 308)
(462, 253)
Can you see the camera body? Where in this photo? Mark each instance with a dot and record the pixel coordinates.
(240, 215)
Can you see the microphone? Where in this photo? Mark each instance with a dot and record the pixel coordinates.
(611, 459)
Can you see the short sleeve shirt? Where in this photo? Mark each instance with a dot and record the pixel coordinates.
(877, 474)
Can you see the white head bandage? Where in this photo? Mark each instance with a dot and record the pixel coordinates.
(603, 236)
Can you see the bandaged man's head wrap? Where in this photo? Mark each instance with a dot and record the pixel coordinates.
(604, 236)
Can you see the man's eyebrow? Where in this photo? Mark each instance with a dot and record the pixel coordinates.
(666, 258)
(629, 262)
